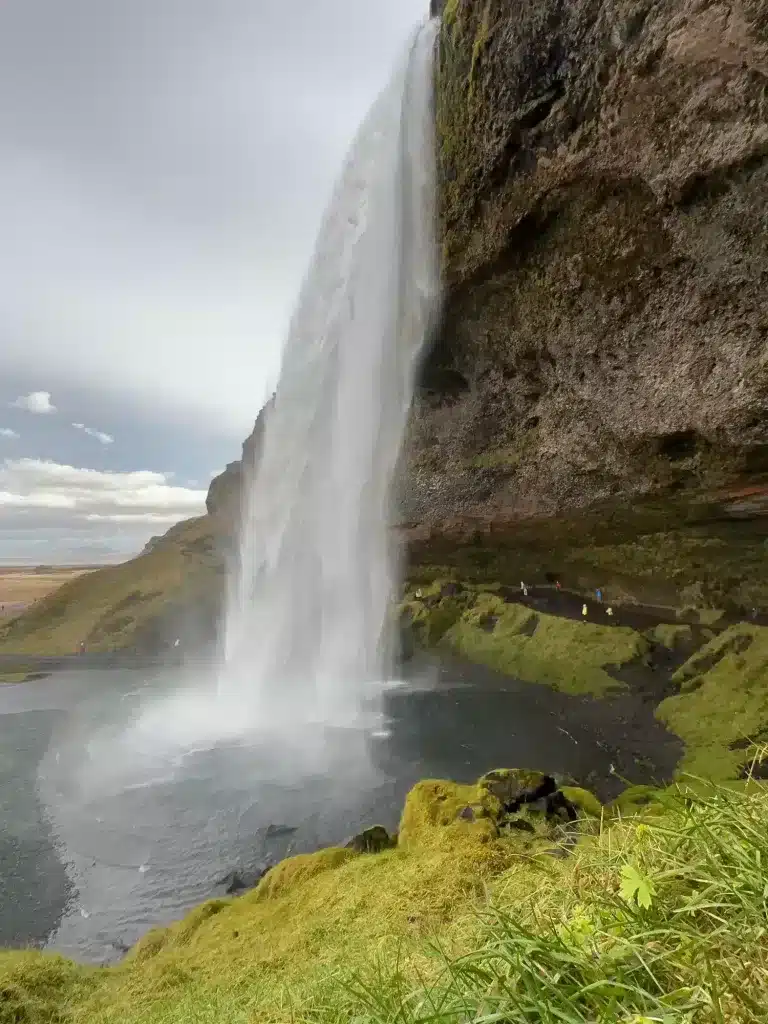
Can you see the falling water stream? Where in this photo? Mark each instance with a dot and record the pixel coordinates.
(306, 623)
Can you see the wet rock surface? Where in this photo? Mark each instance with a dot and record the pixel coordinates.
(371, 840)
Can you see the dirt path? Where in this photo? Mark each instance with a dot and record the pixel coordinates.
(568, 605)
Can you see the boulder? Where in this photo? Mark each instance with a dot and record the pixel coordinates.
(371, 840)
(241, 879)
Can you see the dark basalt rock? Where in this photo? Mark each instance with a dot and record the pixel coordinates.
(241, 880)
(514, 787)
(371, 840)
(275, 831)
(531, 802)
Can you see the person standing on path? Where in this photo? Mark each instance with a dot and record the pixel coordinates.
(584, 610)
(599, 595)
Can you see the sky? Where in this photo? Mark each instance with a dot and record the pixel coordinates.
(164, 165)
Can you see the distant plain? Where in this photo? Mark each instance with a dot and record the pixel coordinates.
(21, 585)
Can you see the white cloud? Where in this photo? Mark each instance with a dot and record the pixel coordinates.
(38, 402)
(98, 434)
(7, 432)
(92, 496)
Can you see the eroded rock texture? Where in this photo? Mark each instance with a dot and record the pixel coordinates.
(604, 206)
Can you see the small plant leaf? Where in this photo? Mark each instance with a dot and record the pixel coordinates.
(636, 887)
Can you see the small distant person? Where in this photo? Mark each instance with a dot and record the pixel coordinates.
(525, 591)
(609, 611)
(176, 642)
(558, 585)
(599, 595)
(81, 649)
(584, 610)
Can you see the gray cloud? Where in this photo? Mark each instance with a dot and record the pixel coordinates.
(163, 167)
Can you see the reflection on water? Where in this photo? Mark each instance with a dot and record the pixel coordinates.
(147, 819)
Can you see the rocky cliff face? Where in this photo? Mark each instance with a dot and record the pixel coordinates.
(604, 208)
(223, 501)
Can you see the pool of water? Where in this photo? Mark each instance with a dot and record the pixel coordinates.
(110, 829)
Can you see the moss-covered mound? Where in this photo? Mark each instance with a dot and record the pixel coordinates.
(721, 711)
(574, 657)
(652, 909)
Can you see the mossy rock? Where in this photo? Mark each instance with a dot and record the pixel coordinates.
(295, 870)
(723, 701)
(428, 612)
(573, 657)
(435, 806)
(371, 840)
(583, 801)
(670, 636)
(636, 800)
(515, 786)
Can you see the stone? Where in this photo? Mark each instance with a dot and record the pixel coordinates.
(240, 880)
(275, 831)
(519, 825)
(513, 787)
(371, 840)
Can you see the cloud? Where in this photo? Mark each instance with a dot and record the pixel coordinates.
(7, 432)
(38, 402)
(93, 496)
(163, 181)
(98, 434)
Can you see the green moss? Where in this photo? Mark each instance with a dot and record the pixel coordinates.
(298, 869)
(570, 656)
(432, 812)
(670, 636)
(14, 675)
(451, 13)
(583, 800)
(479, 44)
(723, 701)
(636, 800)
(710, 616)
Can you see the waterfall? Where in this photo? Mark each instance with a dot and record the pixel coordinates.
(307, 618)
